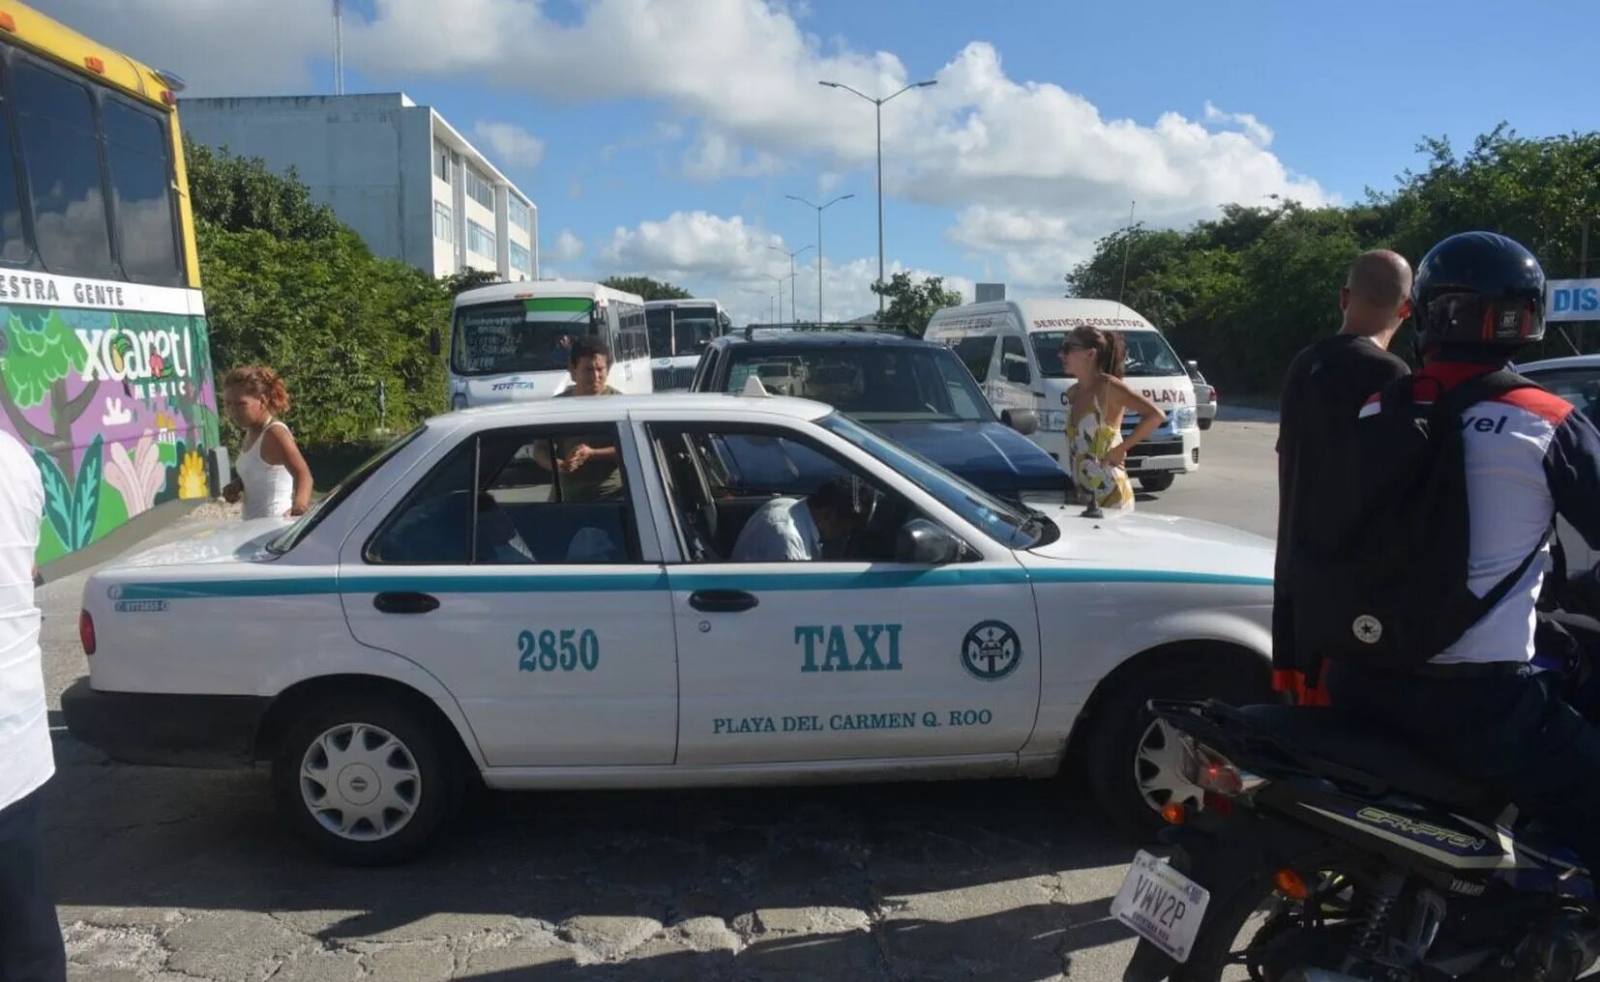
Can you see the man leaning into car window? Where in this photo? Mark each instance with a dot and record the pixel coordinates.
(588, 465)
(789, 529)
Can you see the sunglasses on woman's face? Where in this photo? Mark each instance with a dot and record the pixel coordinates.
(1073, 347)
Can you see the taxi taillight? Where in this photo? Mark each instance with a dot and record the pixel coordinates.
(86, 631)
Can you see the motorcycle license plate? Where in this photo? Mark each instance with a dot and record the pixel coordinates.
(1161, 904)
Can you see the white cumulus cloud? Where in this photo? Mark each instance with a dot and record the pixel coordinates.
(1018, 156)
(567, 248)
(746, 268)
(510, 145)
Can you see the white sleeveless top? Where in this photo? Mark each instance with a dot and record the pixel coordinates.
(268, 488)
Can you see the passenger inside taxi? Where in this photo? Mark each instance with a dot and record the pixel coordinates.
(796, 528)
(746, 496)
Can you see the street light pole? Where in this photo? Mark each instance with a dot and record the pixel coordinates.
(820, 209)
(777, 310)
(792, 315)
(878, 103)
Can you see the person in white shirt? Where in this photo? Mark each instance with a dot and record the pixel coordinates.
(31, 948)
(798, 529)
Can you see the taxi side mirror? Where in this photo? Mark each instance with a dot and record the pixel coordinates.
(922, 542)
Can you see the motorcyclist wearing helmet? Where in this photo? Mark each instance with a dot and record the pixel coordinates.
(1477, 298)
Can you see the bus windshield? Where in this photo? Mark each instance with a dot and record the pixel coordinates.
(518, 335)
(1149, 354)
(680, 331)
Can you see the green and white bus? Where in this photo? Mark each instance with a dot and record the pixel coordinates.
(509, 341)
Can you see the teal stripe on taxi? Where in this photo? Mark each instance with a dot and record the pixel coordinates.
(635, 582)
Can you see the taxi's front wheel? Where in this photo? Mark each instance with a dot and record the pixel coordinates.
(365, 780)
(1134, 759)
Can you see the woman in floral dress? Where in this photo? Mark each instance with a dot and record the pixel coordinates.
(1098, 452)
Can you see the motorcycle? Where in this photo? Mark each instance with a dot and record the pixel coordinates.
(1327, 852)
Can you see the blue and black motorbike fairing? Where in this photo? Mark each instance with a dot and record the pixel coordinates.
(1359, 858)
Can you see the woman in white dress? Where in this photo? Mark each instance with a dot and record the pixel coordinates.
(270, 474)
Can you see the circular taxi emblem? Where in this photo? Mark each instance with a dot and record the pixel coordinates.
(114, 592)
(1367, 629)
(991, 651)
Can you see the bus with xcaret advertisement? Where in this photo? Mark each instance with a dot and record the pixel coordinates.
(104, 350)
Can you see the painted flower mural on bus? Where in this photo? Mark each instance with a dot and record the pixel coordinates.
(117, 407)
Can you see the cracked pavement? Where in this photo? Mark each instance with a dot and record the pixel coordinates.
(167, 875)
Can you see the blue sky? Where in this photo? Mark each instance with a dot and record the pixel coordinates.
(660, 136)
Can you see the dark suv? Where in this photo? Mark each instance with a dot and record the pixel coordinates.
(914, 392)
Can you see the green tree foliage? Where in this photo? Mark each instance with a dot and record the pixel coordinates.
(1243, 292)
(911, 305)
(647, 288)
(287, 285)
(238, 194)
(469, 279)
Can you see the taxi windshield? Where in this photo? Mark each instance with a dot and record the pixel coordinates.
(996, 519)
(325, 505)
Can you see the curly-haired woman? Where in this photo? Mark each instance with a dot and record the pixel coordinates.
(271, 475)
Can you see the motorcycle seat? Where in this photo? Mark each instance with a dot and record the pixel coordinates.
(1380, 760)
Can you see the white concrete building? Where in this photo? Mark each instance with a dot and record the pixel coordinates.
(410, 185)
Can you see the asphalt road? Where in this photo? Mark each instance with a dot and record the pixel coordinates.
(173, 875)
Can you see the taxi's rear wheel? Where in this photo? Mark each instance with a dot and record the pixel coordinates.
(365, 780)
(1132, 758)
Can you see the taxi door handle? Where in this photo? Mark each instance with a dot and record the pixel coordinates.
(722, 601)
(405, 603)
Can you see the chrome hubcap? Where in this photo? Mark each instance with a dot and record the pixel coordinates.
(1158, 770)
(360, 782)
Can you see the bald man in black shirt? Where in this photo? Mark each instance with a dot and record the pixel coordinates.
(1323, 391)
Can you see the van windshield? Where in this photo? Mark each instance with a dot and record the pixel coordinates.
(530, 335)
(1149, 354)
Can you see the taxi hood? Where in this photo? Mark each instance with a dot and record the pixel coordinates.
(1141, 541)
(235, 542)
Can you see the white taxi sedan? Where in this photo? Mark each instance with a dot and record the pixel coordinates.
(456, 607)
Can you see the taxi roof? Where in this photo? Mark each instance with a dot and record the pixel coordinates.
(733, 406)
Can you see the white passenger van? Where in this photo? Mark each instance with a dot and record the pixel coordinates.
(1011, 346)
(509, 341)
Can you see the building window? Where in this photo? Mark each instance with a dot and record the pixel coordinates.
(479, 239)
(521, 259)
(441, 162)
(479, 189)
(444, 226)
(521, 215)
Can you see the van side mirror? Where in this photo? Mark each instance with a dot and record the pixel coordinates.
(1192, 365)
(924, 543)
(1024, 421)
(435, 341)
(1016, 371)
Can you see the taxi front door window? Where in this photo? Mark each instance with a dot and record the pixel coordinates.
(768, 478)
